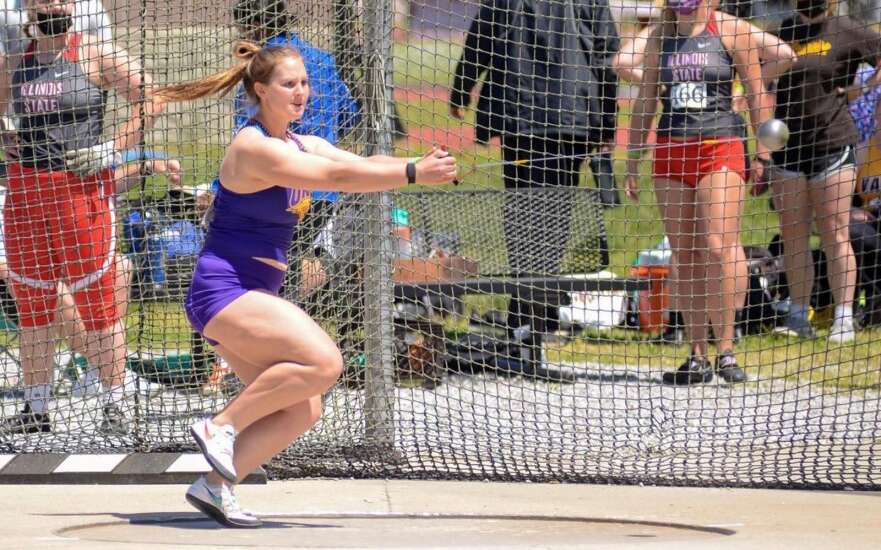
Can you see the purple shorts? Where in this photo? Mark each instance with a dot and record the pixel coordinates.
(218, 281)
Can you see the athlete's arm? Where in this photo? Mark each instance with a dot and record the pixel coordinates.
(129, 175)
(254, 162)
(735, 37)
(646, 103)
(323, 148)
(627, 63)
(122, 74)
(8, 137)
(776, 55)
(643, 112)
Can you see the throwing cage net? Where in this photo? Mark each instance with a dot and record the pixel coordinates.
(524, 324)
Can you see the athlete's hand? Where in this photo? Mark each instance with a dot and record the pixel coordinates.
(91, 160)
(9, 137)
(170, 168)
(437, 167)
(758, 174)
(631, 188)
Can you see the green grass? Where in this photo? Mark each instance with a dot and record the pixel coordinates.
(853, 366)
(634, 227)
(164, 327)
(425, 63)
(630, 229)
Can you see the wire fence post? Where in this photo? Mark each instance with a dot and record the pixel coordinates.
(378, 286)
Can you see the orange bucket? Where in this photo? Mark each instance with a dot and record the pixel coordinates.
(654, 301)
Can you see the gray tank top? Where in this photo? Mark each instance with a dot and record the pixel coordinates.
(697, 74)
(58, 108)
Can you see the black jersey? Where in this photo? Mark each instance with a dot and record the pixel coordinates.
(697, 75)
(59, 109)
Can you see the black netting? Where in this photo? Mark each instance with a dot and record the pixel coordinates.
(523, 324)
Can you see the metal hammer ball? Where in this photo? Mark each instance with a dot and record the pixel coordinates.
(773, 134)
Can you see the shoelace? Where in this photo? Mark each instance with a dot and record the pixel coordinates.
(726, 361)
(231, 502)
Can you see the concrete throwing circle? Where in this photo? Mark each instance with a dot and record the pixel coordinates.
(389, 530)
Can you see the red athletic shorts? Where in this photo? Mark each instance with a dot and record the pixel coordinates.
(690, 161)
(61, 227)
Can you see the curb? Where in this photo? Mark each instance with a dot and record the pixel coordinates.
(124, 469)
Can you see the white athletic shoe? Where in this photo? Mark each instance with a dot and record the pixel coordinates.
(220, 504)
(842, 331)
(217, 444)
(148, 389)
(87, 385)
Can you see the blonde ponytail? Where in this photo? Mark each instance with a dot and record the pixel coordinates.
(219, 83)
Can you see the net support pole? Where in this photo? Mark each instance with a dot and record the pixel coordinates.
(378, 285)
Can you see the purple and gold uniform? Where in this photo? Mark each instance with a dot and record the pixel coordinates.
(243, 228)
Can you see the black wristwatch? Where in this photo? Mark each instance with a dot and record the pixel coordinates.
(411, 173)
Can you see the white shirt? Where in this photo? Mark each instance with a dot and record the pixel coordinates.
(88, 17)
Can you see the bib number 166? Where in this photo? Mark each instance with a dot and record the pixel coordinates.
(689, 95)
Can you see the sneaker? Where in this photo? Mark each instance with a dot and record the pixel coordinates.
(134, 384)
(796, 327)
(26, 422)
(114, 422)
(88, 384)
(217, 444)
(695, 370)
(841, 331)
(221, 505)
(726, 367)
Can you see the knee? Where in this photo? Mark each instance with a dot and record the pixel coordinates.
(328, 365)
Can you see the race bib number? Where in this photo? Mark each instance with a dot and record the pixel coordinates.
(689, 95)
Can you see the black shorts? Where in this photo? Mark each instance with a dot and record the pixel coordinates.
(805, 162)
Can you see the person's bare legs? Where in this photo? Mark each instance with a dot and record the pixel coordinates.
(831, 199)
(105, 349)
(719, 196)
(296, 358)
(124, 270)
(676, 203)
(741, 270)
(792, 200)
(271, 434)
(37, 354)
(67, 318)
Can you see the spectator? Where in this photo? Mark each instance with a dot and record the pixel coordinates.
(89, 17)
(285, 359)
(67, 318)
(691, 62)
(865, 221)
(862, 109)
(814, 174)
(776, 57)
(550, 93)
(59, 221)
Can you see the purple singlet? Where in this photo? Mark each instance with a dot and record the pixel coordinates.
(244, 226)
